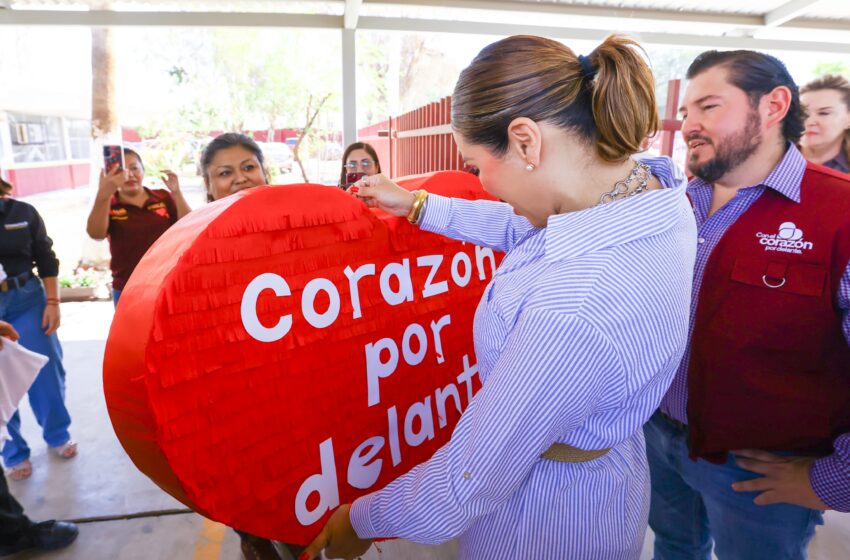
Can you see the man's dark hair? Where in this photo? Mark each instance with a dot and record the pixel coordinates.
(756, 74)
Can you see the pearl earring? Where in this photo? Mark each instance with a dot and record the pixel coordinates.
(529, 167)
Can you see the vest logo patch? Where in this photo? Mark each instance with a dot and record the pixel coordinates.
(789, 239)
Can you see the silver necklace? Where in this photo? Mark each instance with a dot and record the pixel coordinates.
(640, 173)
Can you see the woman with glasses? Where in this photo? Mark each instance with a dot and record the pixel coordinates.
(359, 160)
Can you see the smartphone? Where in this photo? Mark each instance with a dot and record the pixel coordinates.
(113, 155)
(351, 178)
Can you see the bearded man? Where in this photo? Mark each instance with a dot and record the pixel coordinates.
(752, 441)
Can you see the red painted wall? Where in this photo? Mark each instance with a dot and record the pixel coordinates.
(35, 180)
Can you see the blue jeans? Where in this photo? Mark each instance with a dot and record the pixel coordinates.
(24, 309)
(693, 504)
(116, 295)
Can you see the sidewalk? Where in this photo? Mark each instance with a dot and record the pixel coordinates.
(123, 514)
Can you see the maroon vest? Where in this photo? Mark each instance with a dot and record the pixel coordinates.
(770, 367)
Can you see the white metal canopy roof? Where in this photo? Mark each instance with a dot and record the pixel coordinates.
(801, 25)
(795, 25)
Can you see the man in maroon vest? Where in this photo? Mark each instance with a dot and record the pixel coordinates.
(752, 441)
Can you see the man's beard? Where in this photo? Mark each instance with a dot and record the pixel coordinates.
(730, 152)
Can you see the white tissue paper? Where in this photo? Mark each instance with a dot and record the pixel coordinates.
(2, 273)
(18, 369)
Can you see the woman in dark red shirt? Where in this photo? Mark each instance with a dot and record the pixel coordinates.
(132, 216)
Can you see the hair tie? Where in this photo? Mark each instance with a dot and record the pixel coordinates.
(587, 68)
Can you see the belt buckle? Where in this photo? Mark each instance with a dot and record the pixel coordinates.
(4, 286)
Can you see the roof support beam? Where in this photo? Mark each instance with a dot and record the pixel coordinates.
(349, 87)
(786, 15)
(607, 11)
(352, 13)
(707, 41)
(788, 11)
(212, 19)
(745, 21)
(104, 18)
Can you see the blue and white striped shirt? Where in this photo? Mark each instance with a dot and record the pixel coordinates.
(577, 339)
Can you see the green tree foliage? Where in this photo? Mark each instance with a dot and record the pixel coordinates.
(834, 67)
(667, 64)
(232, 80)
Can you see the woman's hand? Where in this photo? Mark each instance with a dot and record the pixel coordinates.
(8, 331)
(171, 181)
(338, 538)
(377, 191)
(111, 181)
(50, 319)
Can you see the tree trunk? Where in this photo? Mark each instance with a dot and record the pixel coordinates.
(104, 125)
(311, 115)
(104, 117)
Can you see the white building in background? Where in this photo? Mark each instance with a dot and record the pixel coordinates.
(45, 104)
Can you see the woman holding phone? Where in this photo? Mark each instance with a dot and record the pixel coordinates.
(132, 216)
(359, 160)
(579, 333)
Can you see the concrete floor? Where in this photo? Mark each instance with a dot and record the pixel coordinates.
(123, 515)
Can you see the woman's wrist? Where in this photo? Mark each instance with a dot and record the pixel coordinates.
(106, 194)
(411, 202)
(415, 212)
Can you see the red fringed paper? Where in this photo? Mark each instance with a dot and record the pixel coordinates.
(286, 349)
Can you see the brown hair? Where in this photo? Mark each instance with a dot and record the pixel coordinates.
(357, 146)
(842, 86)
(5, 188)
(606, 98)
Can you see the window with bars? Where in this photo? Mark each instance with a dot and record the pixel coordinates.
(36, 138)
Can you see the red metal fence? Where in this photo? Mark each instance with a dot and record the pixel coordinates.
(420, 141)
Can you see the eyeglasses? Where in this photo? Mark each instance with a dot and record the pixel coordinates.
(363, 163)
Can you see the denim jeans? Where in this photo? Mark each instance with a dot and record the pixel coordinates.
(116, 295)
(693, 506)
(24, 309)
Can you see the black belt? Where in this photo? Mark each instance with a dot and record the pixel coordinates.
(15, 282)
(673, 422)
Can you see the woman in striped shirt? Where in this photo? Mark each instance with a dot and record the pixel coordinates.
(581, 329)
